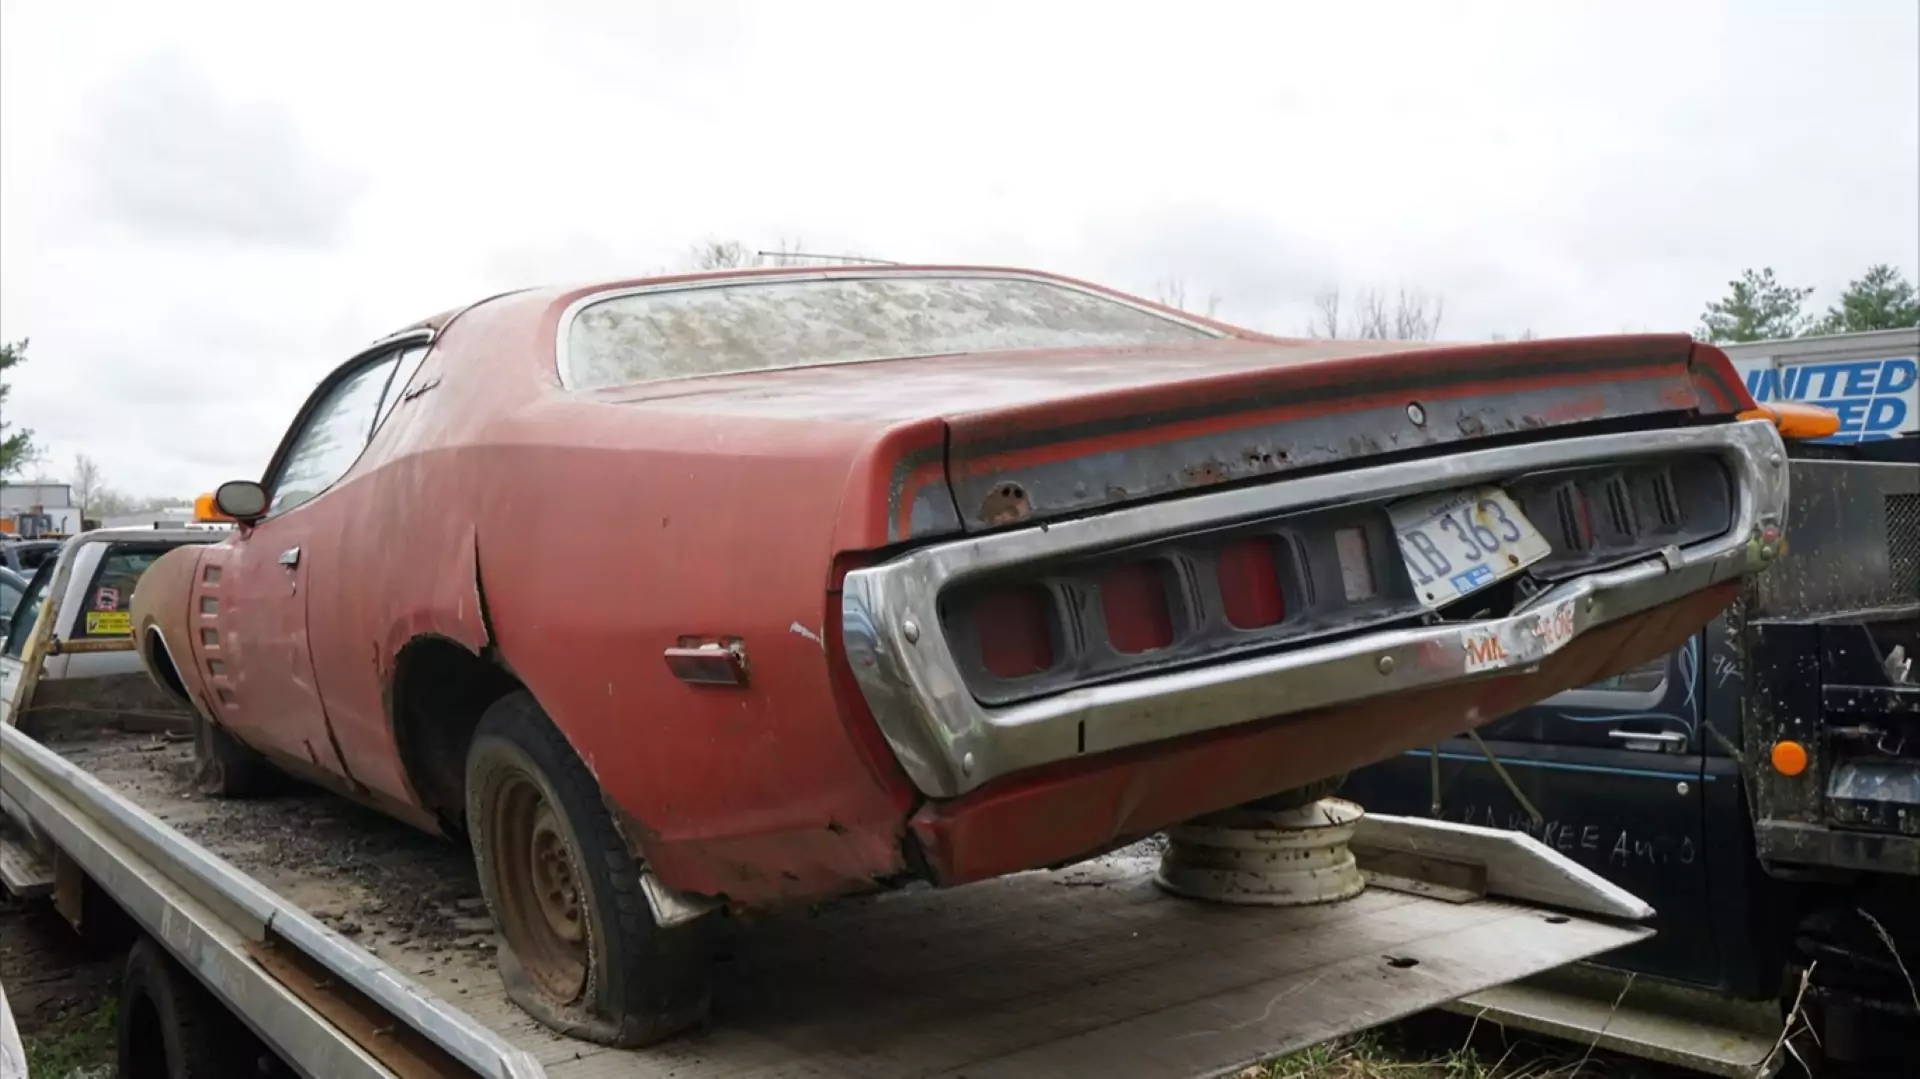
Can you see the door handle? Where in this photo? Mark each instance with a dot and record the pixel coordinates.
(1662, 738)
(290, 557)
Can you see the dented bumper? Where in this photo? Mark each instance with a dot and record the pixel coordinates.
(950, 743)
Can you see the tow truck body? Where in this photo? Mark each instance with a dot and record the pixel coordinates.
(1760, 786)
(1089, 970)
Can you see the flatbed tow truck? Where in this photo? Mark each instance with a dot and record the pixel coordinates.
(350, 946)
(1090, 970)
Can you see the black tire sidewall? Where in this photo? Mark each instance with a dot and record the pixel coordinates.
(643, 981)
(199, 1038)
(493, 759)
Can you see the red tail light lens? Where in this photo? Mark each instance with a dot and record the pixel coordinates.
(1134, 601)
(1249, 576)
(1016, 635)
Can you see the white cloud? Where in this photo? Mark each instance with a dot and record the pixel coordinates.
(203, 207)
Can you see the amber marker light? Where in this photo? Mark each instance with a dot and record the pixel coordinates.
(1796, 421)
(1789, 758)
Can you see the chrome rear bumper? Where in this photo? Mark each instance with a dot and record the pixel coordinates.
(949, 743)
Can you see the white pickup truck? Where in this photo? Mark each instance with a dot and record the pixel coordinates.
(74, 660)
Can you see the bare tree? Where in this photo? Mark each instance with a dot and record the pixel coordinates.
(1524, 335)
(712, 254)
(1416, 316)
(1172, 292)
(1409, 315)
(87, 486)
(716, 254)
(1326, 315)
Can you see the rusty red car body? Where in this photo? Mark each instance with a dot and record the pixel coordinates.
(502, 529)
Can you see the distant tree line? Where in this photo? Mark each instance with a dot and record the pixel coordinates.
(1760, 307)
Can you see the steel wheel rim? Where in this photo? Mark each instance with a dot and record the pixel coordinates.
(541, 895)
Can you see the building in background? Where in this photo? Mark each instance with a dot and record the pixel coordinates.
(38, 509)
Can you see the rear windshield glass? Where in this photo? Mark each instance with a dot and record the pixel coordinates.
(753, 325)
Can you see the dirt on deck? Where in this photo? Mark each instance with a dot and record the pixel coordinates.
(392, 889)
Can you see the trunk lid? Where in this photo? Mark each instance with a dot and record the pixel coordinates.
(1037, 435)
(1285, 407)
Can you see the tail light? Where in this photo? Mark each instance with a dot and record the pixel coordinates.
(1249, 577)
(1016, 631)
(1133, 599)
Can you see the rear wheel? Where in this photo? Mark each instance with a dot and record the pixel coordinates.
(170, 1027)
(583, 953)
(227, 769)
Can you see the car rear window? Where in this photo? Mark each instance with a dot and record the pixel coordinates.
(756, 325)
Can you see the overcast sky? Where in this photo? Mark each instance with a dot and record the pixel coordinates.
(205, 207)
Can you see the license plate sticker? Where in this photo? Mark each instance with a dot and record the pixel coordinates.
(1456, 543)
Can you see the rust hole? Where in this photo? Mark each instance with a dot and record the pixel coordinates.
(1005, 504)
(1204, 474)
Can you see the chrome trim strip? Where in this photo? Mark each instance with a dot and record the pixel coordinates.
(850, 274)
(950, 744)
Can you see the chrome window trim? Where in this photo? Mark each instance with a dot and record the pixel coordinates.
(394, 344)
(950, 744)
(574, 309)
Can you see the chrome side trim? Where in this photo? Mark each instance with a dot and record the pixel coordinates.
(949, 743)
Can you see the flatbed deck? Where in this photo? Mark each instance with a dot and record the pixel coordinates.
(1090, 970)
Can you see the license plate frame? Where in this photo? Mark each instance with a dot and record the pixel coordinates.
(1444, 540)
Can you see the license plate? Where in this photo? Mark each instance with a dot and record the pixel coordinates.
(1461, 541)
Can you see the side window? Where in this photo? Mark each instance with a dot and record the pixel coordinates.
(9, 598)
(335, 434)
(1643, 686)
(22, 622)
(397, 387)
(109, 596)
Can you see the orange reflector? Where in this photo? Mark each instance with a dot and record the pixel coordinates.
(1796, 420)
(204, 511)
(1789, 758)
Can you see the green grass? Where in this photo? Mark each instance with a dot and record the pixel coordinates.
(79, 1039)
(1445, 1048)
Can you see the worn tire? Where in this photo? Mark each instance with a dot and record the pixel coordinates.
(642, 982)
(1300, 796)
(227, 769)
(170, 1027)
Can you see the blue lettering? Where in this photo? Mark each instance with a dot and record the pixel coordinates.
(1852, 413)
(1860, 378)
(1891, 372)
(1874, 399)
(1764, 384)
(1826, 374)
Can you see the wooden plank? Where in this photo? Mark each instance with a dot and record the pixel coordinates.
(22, 871)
